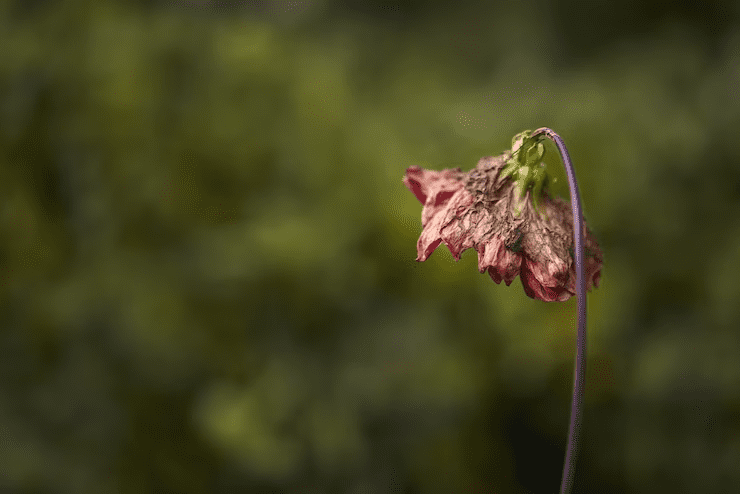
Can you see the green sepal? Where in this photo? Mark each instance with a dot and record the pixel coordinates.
(526, 166)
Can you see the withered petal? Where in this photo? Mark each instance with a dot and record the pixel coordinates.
(534, 289)
(438, 218)
(440, 185)
(500, 262)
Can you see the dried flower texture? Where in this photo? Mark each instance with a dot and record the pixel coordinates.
(478, 209)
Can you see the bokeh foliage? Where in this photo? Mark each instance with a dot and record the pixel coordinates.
(207, 253)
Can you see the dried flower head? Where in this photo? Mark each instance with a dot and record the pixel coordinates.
(494, 213)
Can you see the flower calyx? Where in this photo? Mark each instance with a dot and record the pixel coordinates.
(526, 168)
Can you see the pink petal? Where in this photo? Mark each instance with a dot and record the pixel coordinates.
(500, 262)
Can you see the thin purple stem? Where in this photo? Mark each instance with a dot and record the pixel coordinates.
(579, 379)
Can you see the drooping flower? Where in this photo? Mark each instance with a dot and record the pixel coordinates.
(493, 213)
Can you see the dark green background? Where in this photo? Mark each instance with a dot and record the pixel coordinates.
(207, 253)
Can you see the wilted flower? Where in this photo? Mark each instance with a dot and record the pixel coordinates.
(485, 209)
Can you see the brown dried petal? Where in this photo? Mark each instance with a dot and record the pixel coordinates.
(477, 209)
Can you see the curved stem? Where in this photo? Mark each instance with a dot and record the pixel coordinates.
(579, 380)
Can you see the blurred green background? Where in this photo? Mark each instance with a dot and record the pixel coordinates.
(207, 252)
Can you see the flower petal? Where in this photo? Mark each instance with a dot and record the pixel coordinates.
(436, 189)
(500, 262)
(534, 288)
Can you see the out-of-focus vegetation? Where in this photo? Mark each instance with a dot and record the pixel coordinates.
(207, 253)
